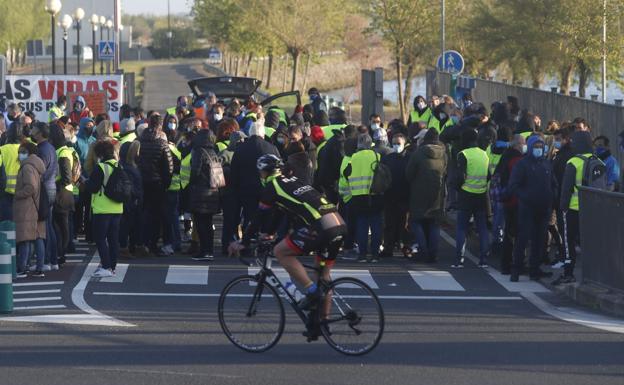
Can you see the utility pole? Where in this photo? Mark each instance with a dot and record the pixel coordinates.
(442, 34)
(169, 33)
(604, 51)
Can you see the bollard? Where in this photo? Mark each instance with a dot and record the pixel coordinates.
(6, 280)
(8, 228)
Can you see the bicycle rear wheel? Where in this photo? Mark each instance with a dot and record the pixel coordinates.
(251, 314)
(354, 322)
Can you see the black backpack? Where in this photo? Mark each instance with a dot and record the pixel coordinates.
(382, 177)
(43, 210)
(118, 187)
(594, 172)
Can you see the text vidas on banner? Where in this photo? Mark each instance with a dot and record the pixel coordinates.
(38, 93)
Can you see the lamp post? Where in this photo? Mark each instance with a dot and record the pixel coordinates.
(78, 16)
(95, 20)
(53, 7)
(102, 24)
(66, 22)
(109, 26)
(169, 33)
(121, 27)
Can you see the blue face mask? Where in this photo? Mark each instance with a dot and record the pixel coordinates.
(538, 152)
(557, 145)
(524, 148)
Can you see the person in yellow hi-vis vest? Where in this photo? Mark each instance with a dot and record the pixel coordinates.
(368, 208)
(106, 212)
(64, 203)
(9, 168)
(172, 238)
(472, 184)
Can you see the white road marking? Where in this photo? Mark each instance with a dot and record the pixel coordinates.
(70, 319)
(187, 275)
(38, 307)
(37, 291)
(397, 297)
(76, 255)
(35, 299)
(120, 274)
(281, 274)
(436, 280)
(38, 283)
(363, 275)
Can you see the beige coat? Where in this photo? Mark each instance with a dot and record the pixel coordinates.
(26, 201)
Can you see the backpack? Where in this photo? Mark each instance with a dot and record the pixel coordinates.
(382, 177)
(594, 172)
(118, 187)
(43, 209)
(76, 170)
(217, 177)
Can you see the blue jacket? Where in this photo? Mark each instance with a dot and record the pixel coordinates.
(47, 153)
(83, 141)
(532, 179)
(613, 168)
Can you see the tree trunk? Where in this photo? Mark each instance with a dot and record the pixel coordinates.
(583, 72)
(262, 69)
(285, 72)
(305, 73)
(566, 78)
(230, 65)
(296, 54)
(238, 64)
(408, 86)
(247, 70)
(223, 61)
(399, 73)
(270, 70)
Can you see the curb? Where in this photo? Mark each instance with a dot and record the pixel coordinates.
(594, 296)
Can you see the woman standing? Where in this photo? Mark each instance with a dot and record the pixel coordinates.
(30, 232)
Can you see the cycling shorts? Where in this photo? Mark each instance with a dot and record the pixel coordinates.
(326, 243)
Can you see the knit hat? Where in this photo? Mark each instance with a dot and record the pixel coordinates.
(317, 135)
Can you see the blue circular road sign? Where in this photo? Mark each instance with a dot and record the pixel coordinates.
(453, 62)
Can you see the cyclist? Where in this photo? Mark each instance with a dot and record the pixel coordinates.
(317, 226)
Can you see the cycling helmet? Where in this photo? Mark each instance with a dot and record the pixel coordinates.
(269, 163)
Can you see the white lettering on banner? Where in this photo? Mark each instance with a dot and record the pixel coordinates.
(38, 93)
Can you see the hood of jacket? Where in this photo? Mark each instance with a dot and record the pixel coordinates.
(271, 119)
(433, 150)
(81, 100)
(582, 142)
(36, 162)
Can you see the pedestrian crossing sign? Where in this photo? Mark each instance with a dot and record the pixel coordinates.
(106, 50)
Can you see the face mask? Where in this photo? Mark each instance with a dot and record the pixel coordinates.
(375, 126)
(172, 126)
(78, 107)
(557, 145)
(281, 140)
(546, 148)
(421, 105)
(22, 156)
(73, 139)
(398, 148)
(538, 152)
(218, 117)
(442, 116)
(600, 149)
(467, 103)
(524, 148)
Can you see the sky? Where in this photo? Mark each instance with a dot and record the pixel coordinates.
(156, 7)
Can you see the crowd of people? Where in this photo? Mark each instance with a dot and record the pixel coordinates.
(148, 183)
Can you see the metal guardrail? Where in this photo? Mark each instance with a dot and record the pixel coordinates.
(602, 237)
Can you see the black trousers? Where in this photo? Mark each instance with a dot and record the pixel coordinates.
(571, 237)
(61, 228)
(154, 203)
(205, 232)
(533, 227)
(510, 232)
(395, 225)
(82, 215)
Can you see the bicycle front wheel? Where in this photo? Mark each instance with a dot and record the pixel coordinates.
(251, 314)
(352, 319)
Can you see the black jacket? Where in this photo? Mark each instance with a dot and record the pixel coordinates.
(397, 163)
(329, 160)
(243, 172)
(204, 199)
(155, 162)
(300, 165)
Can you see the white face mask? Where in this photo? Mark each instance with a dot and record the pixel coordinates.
(524, 148)
(22, 157)
(172, 126)
(375, 126)
(74, 139)
(218, 117)
(398, 147)
(421, 105)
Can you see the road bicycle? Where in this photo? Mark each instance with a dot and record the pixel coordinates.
(347, 313)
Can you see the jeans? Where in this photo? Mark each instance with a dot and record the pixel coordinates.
(172, 221)
(427, 235)
(24, 249)
(463, 220)
(106, 233)
(51, 246)
(6, 206)
(498, 221)
(205, 231)
(372, 221)
(533, 227)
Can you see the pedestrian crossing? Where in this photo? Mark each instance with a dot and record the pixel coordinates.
(38, 295)
(466, 281)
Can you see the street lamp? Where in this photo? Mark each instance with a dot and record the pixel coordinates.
(78, 16)
(95, 20)
(66, 23)
(109, 26)
(121, 27)
(102, 24)
(53, 7)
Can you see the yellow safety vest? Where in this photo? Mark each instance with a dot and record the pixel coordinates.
(526, 134)
(171, 110)
(477, 164)
(415, 117)
(494, 159)
(328, 131)
(343, 184)
(268, 132)
(185, 171)
(65, 152)
(435, 123)
(100, 203)
(131, 137)
(223, 145)
(10, 161)
(361, 178)
(176, 183)
(55, 113)
(578, 164)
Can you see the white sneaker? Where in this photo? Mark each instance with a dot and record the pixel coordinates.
(47, 268)
(166, 250)
(54, 267)
(557, 265)
(33, 268)
(102, 273)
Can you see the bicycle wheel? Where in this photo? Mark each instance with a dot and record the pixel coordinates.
(352, 319)
(251, 315)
